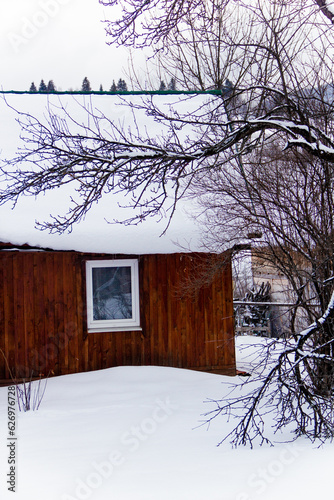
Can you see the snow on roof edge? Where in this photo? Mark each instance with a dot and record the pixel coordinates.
(93, 234)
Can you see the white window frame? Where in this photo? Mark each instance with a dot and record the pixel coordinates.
(113, 325)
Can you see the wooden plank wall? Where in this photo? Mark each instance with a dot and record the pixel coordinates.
(43, 316)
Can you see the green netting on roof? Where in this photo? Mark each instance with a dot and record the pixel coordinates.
(128, 92)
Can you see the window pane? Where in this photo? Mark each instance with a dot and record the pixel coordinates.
(112, 294)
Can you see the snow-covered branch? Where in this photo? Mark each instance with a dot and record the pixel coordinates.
(104, 156)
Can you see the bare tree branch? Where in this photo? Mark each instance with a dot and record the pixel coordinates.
(98, 164)
(258, 159)
(283, 387)
(325, 9)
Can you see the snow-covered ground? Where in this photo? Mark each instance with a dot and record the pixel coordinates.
(132, 433)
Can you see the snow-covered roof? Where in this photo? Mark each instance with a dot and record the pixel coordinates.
(94, 233)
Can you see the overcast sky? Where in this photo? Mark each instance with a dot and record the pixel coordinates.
(59, 40)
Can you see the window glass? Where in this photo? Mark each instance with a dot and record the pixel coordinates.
(112, 295)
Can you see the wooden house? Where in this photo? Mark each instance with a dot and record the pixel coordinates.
(53, 320)
(107, 295)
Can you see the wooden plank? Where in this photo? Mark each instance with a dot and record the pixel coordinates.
(190, 327)
(183, 318)
(216, 347)
(9, 327)
(49, 311)
(54, 353)
(93, 351)
(145, 310)
(39, 357)
(177, 300)
(82, 344)
(21, 367)
(171, 312)
(73, 347)
(211, 332)
(28, 305)
(202, 332)
(67, 332)
(161, 310)
(229, 347)
(107, 347)
(3, 365)
(127, 349)
(153, 317)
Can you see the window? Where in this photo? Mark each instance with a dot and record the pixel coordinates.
(112, 295)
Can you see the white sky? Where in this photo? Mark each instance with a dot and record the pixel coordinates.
(59, 40)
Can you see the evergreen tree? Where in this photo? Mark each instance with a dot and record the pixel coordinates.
(172, 84)
(42, 87)
(121, 86)
(33, 87)
(86, 85)
(162, 87)
(113, 88)
(51, 86)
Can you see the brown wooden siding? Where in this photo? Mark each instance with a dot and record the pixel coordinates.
(43, 316)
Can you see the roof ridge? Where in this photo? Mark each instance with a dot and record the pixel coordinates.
(108, 92)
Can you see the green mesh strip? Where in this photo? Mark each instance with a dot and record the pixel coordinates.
(130, 92)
